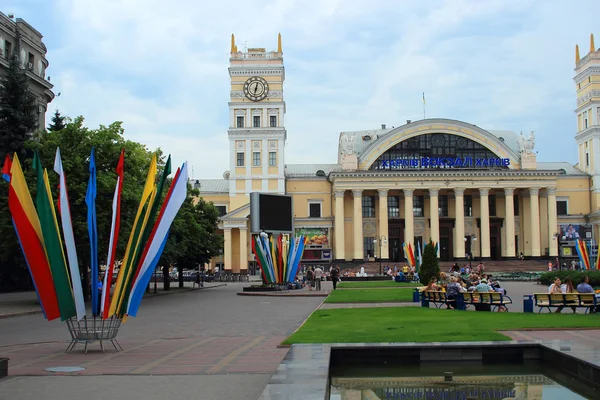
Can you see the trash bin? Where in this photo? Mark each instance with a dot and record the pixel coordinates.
(416, 296)
(460, 302)
(528, 303)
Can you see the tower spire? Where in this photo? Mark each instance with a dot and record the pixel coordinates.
(592, 47)
(577, 54)
(279, 49)
(233, 43)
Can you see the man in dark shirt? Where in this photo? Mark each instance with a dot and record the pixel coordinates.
(335, 275)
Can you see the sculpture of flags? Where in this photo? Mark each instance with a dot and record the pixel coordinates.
(56, 277)
(278, 259)
(410, 255)
(583, 254)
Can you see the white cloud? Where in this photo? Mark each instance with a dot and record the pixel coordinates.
(162, 68)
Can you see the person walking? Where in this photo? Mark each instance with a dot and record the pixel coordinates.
(335, 276)
(310, 277)
(318, 276)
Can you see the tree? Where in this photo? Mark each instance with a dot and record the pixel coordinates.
(58, 122)
(192, 238)
(17, 110)
(430, 267)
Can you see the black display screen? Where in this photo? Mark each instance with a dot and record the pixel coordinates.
(275, 213)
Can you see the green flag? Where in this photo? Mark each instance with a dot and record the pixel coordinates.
(53, 243)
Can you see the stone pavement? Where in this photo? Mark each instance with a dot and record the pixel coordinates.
(212, 344)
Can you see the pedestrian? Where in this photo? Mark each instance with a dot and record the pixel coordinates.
(335, 276)
(310, 278)
(318, 276)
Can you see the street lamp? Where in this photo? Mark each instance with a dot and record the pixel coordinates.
(470, 255)
(381, 240)
(556, 236)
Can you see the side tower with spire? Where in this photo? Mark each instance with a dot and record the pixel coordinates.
(256, 122)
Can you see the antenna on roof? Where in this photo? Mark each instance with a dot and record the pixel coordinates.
(192, 172)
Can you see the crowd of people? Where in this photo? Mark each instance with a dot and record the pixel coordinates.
(567, 287)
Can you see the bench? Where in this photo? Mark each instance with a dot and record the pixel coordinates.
(495, 300)
(437, 298)
(562, 300)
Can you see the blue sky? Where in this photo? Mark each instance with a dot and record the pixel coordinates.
(161, 67)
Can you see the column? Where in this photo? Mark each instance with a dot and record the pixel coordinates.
(383, 223)
(409, 219)
(485, 222)
(434, 216)
(509, 222)
(552, 223)
(459, 225)
(340, 251)
(227, 248)
(243, 251)
(357, 220)
(534, 210)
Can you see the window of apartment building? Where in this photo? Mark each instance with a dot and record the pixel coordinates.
(587, 159)
(562, 207)
(369, 246)
(7, 49)
(240, 122)
(393, 207)
(368, 207)
(256, 159)
(273, 121)
(492, 203)
(585, 120)
(222, 210)
(418, 206)
(443, 205)
(31, 61)
(240, 160)
(272, 159)
(314, 210)
(256, 121)
(468, 205)
(516, 204)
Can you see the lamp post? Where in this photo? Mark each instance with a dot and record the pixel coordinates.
(556, 236)
(381, 240)
(470, 255)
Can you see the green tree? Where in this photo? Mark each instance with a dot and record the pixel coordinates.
(430, 267)
(17, 117)
(192, 238)
(58, 122)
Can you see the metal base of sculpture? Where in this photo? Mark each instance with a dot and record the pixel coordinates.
(90, 330)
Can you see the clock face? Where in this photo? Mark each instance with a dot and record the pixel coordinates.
(256, 88)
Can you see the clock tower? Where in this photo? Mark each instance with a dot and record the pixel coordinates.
(256, 123)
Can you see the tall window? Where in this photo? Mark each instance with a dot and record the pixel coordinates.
(222, 210)
(256, 121)
(272, 159)
(273, 121)
(393, 207)
(369, 246)
(443, 205)
(418, 206)
(492, 203)
(368, 207)
(240, 159)
(587, 159)
(585, 120)
(239, 122)
(7, 49)
(314, 210)
(561, 207)
(516, 204)
(256, 159)
(468, 205)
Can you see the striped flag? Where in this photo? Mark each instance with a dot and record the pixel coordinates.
(6, 168)
(582, 252)
(29, 233)
(411, 255)
(90, 201)
(423, 97)
(420, 257)
(114, 238)
(158, 238)
(67, 227)
(52, 242)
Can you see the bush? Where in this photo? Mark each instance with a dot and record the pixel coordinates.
(430, 267)
(548, 277)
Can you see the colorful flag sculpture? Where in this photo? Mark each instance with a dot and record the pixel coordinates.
(410, 255)
(278, 259)
(583, 254)
(57, 278)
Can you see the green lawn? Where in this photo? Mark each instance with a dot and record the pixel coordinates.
(370, 295)
(375, 284)
(408, 324)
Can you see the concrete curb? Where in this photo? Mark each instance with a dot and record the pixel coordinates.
(264, 294)
(20, 314)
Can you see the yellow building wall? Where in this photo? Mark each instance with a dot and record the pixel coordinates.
(240, 170)
(349, 231)
(273, 184)
(577, 190)
(257, 184)
(273, 170)
(240, 184)
(217, 198)
(238, 201)
(544, 225)
(526, 226)
(235, 249)
(256, 171)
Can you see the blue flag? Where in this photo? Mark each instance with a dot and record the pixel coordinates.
(90, 200)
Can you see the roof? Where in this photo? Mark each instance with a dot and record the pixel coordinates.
(510, 138)
(309, 170)
(567, 167)
(211, 185)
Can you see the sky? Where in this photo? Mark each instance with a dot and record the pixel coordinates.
(161, 67)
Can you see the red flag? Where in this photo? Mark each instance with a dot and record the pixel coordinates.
(6, 168)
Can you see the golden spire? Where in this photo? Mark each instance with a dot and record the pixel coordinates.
(592, 47)
(279, 50)
(577, 54)
(233, 46)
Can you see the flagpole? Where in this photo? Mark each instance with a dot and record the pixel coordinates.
(423, 105)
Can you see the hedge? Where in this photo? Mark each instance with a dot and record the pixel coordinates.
(548, 277)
